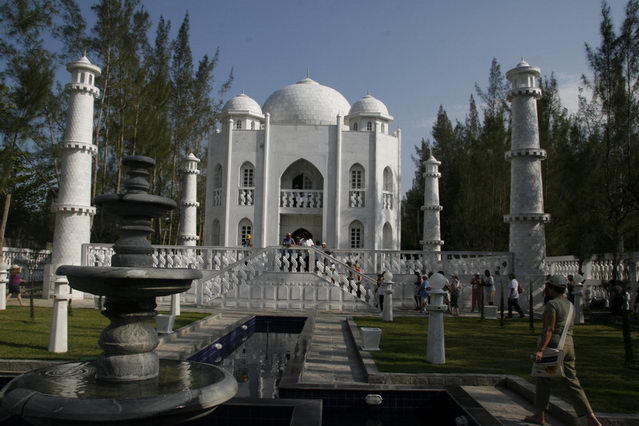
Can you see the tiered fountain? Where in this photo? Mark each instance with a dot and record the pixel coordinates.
(127, 384)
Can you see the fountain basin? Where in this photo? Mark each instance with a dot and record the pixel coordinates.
(129, 282)
(70, 394)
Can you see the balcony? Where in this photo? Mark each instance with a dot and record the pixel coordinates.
(302, 200)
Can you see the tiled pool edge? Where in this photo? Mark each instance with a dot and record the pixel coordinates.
(558, 408)
(195, 325)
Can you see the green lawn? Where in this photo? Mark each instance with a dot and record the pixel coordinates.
(21, 338)
(476, 347)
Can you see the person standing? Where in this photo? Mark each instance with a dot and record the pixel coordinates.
(423, 292)
(15, 280)
(555, 318)
(475, 285)
(488, 283)
(513, 297)
(455, 294)
(418, 284)
(380, 291)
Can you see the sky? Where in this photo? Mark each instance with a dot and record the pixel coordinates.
(412, 55)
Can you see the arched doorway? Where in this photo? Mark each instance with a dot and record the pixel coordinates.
(387, 237)
(301, 200)
(302, 233)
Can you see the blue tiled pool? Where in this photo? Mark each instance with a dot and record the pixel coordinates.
(256, 353)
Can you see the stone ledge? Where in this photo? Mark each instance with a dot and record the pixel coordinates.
(19, 366)
(196, 325)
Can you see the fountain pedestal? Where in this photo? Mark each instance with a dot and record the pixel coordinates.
(127, 384)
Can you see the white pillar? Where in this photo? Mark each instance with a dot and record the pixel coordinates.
(527, 218)
(3, 285)
(73, 208)
(263, 242)
(227, 192)
(58, 335)
(398, 183)
(388, 296)
(431, 233)
(338, 183)
(188, 221)
(435, 345)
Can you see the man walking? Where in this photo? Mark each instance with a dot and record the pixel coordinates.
(513, 297)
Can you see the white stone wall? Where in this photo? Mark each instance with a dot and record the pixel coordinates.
(316, 144)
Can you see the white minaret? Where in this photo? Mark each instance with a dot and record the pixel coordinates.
(527, 217)
(432, 230)
(188, 220)
(73, 210)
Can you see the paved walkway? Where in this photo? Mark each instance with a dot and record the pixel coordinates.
(332, 357)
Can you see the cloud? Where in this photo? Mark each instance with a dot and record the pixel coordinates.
(568, 85)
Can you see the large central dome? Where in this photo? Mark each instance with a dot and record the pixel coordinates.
(306, 102)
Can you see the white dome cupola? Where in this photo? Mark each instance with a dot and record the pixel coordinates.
(244, 111)
(369, 114)
(306, 103)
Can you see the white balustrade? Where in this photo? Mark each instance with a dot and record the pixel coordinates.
(302, 199)
(356, 198)
(387, 200)
(32, 261)
(246, 196)
(217, 197)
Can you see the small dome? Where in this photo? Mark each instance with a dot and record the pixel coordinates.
(306, 102)
(242, 103)
(522, 63)
(369, 105)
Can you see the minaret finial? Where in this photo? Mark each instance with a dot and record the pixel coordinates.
(308, 72)
(84, 52)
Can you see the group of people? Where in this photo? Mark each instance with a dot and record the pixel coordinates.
(290, 241)
(486, 283)
(453, 292)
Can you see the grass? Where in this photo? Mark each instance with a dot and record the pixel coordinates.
(476, 347)
(22, 338)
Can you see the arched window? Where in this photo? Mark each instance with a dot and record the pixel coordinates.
(238, 124)
(82, 77)
(245, 227)
(216, 233)
(388, 180)
(356, 234)
(357, 176)
(252, 125)
(355, 126)
(356, 194)
(387, 237)
(383, 127)
(90, 78)
(217, 177)
(247, 173)
(369, 126)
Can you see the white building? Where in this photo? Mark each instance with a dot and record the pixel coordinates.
(308, 163)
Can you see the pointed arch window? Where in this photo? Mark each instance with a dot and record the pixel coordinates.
(246, 196)
(369, 126)
(218, 176)
(387, 193)
(244, 228)
(355, 126)
(357, 191)
(238, 124)
(356, 234)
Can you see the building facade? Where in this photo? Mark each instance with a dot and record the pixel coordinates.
(308, 163)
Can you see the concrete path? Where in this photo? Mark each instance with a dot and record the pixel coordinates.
(332, 356)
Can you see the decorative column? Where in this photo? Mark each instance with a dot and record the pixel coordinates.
(527, 217)
(431, 241)
(188, 220)
(388, 296)
(338, 182)
(265, 171)
(73, 210)
(435, 346)
(227, 191)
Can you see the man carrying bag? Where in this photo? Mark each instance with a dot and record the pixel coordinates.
(555, 356)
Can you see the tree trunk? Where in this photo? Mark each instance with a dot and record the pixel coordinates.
(3, 224)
